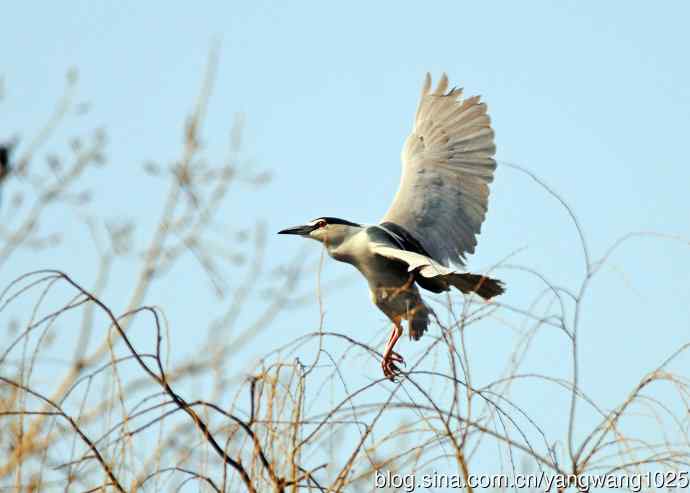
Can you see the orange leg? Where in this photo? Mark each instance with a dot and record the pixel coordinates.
(390, 357)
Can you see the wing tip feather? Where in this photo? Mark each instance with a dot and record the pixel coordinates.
(427, 84)
(442, 85)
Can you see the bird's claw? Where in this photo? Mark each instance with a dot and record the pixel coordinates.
(388, 364)
(390, 370)
(397, 358)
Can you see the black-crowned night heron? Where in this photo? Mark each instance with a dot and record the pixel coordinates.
(440, 205)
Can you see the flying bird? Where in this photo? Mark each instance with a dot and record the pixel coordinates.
(441, 202)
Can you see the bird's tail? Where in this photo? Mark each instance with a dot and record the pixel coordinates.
(418, 320)
(484, 286)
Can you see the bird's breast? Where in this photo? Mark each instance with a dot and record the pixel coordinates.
(381, 273)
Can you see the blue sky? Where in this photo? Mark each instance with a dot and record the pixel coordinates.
(591, 96)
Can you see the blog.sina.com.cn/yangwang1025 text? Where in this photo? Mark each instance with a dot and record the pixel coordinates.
(543, 481)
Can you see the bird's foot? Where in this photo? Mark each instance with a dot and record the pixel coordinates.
(397, 358)
(389, 366)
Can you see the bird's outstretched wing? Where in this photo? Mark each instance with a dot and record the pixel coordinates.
(447, 165)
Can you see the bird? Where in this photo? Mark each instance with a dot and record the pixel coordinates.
(5, 167)
(424, 237)
(4, 161)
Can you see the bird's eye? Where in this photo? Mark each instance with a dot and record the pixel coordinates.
(321, 224)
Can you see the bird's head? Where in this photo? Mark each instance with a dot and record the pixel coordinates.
(331, 231)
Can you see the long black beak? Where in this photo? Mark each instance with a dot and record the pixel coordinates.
(298, 230)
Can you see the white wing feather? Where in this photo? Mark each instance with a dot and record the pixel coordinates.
(427, 267)
(447, 165)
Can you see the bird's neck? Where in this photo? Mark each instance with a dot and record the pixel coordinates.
(345, 244)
